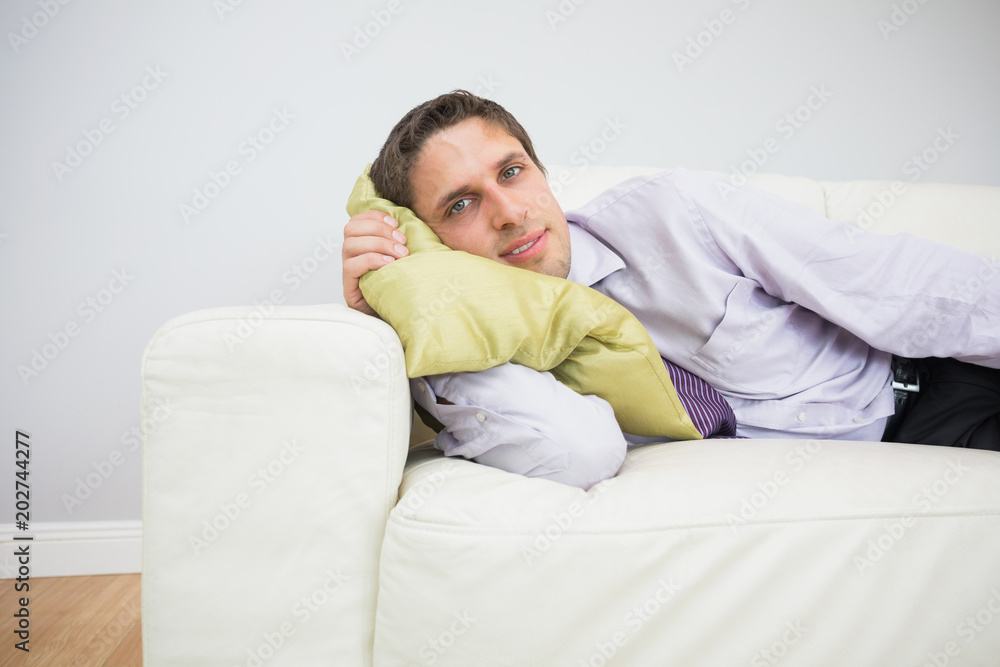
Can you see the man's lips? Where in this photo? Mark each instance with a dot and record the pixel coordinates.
(526, 247)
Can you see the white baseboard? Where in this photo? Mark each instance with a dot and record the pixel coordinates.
(68, 549)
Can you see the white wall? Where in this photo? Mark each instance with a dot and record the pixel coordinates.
(221, 76)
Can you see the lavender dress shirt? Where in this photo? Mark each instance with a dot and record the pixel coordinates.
(792, 317)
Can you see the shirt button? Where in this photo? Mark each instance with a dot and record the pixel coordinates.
(422, 386)
(858, 420)
(801, 416)
(480, 416)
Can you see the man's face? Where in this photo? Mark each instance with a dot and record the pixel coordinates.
(478, 190)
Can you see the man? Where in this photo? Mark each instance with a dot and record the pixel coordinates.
(794, 321)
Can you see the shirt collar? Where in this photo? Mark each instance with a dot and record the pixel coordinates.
(590, 260)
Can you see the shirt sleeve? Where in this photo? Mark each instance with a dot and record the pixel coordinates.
(900, 294)
(524, 421)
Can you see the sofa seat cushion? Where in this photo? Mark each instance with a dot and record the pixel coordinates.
(697, 553)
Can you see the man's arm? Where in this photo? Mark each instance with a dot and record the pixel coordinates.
(900, 294)
(524, 421)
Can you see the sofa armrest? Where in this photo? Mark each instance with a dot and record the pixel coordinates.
(268, 484)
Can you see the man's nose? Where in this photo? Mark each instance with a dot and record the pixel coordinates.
(506, 208)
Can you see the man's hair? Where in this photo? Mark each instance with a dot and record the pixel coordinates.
(391, 170)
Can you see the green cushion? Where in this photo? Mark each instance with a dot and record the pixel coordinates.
(454, 312)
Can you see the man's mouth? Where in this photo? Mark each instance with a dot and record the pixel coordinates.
(518, 251)
(524, 248)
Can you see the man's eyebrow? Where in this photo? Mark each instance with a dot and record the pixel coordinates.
(505, 160)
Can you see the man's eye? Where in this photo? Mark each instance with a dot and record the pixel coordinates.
(510, 172)
(459, 206)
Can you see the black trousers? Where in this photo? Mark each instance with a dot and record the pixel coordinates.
(958, 405)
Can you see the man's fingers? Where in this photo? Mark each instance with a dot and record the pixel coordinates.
(373, 223)
(359, 265)
(371, 240)
(357, 246)
(373, 232)
(368, 227)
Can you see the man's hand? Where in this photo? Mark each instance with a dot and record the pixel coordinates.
(371, 240)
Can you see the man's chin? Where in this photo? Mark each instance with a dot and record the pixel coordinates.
(560, 271)
(554, 268)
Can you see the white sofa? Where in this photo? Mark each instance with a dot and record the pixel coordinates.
(287, 522)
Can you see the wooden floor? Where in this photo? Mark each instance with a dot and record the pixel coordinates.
(75, 622)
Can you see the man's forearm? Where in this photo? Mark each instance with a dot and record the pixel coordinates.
(524, 421)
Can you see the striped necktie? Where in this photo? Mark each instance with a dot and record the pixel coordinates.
(711, 414)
